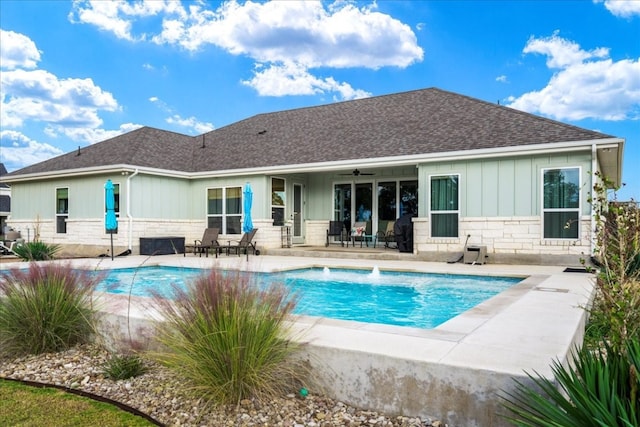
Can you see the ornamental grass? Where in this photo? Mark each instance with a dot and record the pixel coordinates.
(46, 308)
(600, 389)
(230, 339)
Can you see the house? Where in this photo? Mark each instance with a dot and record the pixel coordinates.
(5, 202)
(467, 171)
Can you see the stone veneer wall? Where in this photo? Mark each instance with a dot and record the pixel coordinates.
(507, 236)
(87, 237)
(511, 236)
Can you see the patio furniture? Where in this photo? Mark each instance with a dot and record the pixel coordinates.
(209, 241)
(161, 245)
(336, 228)
(8, 250)
(387, 236)
(359, 232)
(246, 243)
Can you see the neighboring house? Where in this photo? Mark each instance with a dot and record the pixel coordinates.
(514, 182)
(5, 202)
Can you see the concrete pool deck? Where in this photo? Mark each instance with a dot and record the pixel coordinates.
(453, 372)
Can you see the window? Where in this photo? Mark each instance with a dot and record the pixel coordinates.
(224, 209)
(561, 203)
(444, 206)
(408, 197)
(62, 209)
(278, 199)
(116, 196)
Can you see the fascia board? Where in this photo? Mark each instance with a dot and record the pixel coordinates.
(408, 160)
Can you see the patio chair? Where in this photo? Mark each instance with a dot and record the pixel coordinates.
(209, 241)
(359, 231)
(8, 250)
(387, 236)
(246, 243)
(336, 228)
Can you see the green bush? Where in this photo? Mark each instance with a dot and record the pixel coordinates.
(121, 366)
(615, 313)
(46, 308)
(600, 390)
(36, 251)
(229, 339)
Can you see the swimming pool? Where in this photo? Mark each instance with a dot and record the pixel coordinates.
(421, 300)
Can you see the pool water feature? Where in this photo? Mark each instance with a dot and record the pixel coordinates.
(420, 300)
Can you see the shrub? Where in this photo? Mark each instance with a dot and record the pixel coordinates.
(120, 366)
(46, 308)
(615, 314)
(36, 251)
(601, 390)
(229, 339)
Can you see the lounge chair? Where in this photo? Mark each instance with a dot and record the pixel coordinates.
(8, 250)
(336, 228)
(209, 241)
(387, 236)
(246, 243)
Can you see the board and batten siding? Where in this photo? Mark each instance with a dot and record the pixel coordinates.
(505, 187)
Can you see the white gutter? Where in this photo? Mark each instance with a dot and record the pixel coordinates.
(129, 216)
(389, 161)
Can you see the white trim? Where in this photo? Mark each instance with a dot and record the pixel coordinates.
(458, 211)
(224, 214)
(129, 216)
(578, 210)
(61, 215)
(283, 207)
(408, 160)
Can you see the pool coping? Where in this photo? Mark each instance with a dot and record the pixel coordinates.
(453, 372)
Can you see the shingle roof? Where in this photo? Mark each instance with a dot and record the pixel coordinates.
(3, 171)
(144, 147)
(427, 121)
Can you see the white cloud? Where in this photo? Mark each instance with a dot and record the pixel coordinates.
(87, 134)
(190, 123)
(19, 151)
(41, 96)
(561, 52)
(588, 84)
(294, 79)
(69, 106)
(17, 51)
(309, 34)
(341, 35)
(622, 8)
(117, 16)
(502, 79)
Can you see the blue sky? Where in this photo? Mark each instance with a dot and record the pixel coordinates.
(76, 73)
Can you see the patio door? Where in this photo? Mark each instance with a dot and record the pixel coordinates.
(353, 202)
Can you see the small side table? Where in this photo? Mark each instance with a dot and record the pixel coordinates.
(285, 236)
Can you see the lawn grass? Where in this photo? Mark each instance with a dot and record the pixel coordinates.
(23, 405)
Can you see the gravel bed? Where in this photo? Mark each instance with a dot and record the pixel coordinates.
(158, 393)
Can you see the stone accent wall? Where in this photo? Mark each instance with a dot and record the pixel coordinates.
(316, 232)
(508, 236)
(505, 235)
(87, 237)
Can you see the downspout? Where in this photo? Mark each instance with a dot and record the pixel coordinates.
(129, 208)
(594, 169)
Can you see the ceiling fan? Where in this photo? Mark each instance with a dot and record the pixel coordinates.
(356, 172)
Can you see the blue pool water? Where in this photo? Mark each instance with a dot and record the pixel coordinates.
(394, 298)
